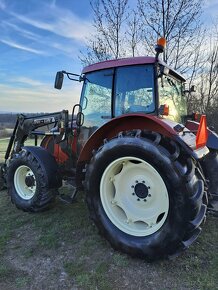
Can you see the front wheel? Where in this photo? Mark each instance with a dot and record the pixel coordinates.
(144, 196)
(27, 182)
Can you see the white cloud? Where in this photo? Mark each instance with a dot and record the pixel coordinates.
(59, 21)
(25, 33)
(28, 81)
(38, 98)
(22, 47)
(2, 5)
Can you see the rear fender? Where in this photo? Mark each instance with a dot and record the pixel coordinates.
(124, 123)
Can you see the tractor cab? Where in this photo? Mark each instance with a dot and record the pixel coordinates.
(132, 85)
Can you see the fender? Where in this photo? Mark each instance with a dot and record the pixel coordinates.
(48, 164)
(212, 142)
(124, 123)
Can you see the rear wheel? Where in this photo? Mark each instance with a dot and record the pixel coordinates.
(144, 196)
(210, 167)
(28, 183)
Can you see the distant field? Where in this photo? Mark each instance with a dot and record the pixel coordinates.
(4, 144)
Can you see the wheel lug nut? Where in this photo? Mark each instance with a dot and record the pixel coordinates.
(138, 199)
(145, 200)
(148, 187)
(143, 181)
(149, 194)
(136, 181)
(133, 193)
(132, 186)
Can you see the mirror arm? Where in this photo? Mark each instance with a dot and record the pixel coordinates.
(71, 74)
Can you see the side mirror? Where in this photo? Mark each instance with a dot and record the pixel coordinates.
(59, 80)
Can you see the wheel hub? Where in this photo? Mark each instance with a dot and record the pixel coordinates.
(141, 190)
(30, 181)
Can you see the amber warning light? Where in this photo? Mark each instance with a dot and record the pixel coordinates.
(202, 134)
(162, 42)
(160, 46)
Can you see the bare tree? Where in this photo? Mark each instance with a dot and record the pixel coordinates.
(110, 17)
(133, 33)
(179, 22)
(206, 79)
(208, 84)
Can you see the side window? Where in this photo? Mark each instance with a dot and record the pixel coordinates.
(134, 89)
(171, 93)
(96, 98)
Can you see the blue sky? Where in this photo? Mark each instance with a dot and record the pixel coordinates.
(38, 38)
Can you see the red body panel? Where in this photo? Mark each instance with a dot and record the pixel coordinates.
(124, 123)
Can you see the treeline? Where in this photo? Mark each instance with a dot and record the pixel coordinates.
(8, 120)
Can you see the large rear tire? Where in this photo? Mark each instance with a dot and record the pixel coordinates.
(144, 195)
(210, 166)
(27, 183)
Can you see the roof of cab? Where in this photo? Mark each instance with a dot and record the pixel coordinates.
(118, 62)
(127, 62)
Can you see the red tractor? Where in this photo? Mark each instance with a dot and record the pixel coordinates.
(147, 169)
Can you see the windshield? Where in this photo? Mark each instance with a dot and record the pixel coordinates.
(171, 94)
(96, 97)
(134, 89)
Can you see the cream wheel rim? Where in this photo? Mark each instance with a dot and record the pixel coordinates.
(134, 196)
(25, 182)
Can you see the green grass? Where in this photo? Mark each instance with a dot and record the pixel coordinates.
(63, 241)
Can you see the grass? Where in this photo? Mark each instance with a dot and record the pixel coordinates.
(36, 249)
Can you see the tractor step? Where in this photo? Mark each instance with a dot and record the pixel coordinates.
(68, 187)
(66, 198)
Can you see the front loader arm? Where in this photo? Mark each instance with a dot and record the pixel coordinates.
(26, 126)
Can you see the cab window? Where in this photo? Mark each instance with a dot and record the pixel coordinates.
(134, 89)
(96, 97)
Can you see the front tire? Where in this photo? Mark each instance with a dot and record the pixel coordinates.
(144, 196)
(27, 183)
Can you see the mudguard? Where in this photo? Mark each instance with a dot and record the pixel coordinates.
(48, 164)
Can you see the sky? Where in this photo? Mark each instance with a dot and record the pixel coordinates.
(39, 38)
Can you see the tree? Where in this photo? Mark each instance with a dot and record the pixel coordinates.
(179, 22)
(109, 19)
(207, 82)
